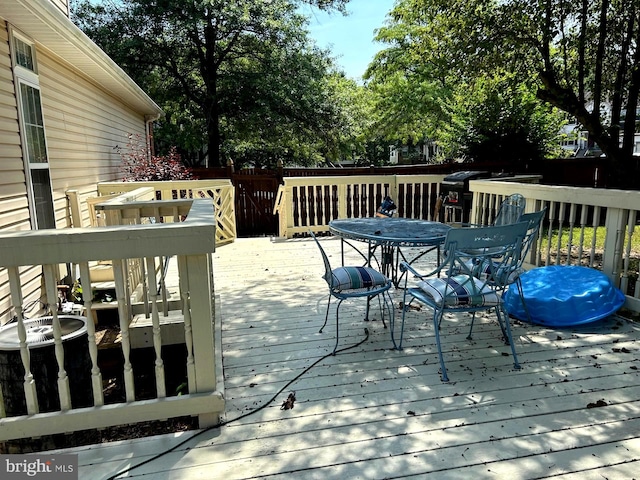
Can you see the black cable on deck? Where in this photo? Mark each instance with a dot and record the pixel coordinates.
(245, 415)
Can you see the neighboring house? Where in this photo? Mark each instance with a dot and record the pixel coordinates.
(64, 107)
(424, 152)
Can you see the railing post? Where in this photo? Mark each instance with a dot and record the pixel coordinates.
(615, 222)
(74, 207)
(342, 200)
(201, 302)
(393, 188)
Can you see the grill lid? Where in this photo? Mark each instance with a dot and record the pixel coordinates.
(463, 177)
(40, 331)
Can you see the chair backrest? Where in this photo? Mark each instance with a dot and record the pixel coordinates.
(327, 265)
(533, 220)
(489, 253)
(510, 210)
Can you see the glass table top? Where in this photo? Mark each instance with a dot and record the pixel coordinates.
(391, 231)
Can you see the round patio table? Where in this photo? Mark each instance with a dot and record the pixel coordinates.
(390, 235)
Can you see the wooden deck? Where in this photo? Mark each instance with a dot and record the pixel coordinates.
(371, 412)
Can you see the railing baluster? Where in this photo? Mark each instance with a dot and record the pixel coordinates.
(572, 223)
(29, 382)
(596, 223)
(120, 279)
(624, 280)
(296, 202)
(145, 289)
(52, 301)
(96, 375)
(552, 217)
(583, 225)
(483, 206)
(164, 265)
(155, 320)
(343, 200)
(188, 331)
(560, 229)
(616, 219)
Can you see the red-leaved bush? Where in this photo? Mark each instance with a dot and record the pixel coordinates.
(138, 165)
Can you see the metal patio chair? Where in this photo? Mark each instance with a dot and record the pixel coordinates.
(533, 220)
(355, 282)
(457, 286)
(510, 211)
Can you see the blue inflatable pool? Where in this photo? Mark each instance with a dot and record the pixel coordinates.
(563, 296)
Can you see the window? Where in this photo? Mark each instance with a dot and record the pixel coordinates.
(33, 124)
(32, 131)
(24, 55)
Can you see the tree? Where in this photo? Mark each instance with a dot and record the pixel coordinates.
(580, 56)
(587, 57)
(221, 69)
(493, 119)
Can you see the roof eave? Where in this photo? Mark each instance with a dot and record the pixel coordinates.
(54, 31)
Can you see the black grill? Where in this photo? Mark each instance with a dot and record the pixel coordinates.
(457, 197)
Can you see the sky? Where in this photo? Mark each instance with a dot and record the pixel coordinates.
(350, 38)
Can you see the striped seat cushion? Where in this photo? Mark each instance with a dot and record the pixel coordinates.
(354, 278)
(490, 270)
(460, 290)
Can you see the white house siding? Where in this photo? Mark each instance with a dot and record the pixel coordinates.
(13, 196)
(63, 5)
(84, 125)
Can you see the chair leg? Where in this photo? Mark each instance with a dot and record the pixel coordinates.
(366, 315)
(499, 312)
(473, 319)
(326, 315)
(405, 307)
(437, 316)
(388, 304)
(501, 324)
(337, 326)
(382, 303)
(524, 303)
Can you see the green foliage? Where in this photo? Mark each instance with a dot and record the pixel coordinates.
(440, 79)
(575, 56)
(237, 79)
(496, 120)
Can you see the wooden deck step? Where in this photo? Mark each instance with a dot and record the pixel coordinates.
(171, 330)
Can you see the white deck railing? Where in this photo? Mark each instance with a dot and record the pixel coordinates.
(191, 242)
(305, 203)
(571, 213)
(220, 191)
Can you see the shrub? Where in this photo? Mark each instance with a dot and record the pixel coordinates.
(139, 165)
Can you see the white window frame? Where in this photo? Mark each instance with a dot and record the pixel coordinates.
(24, 76)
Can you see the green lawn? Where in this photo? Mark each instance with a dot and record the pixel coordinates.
(588, 236)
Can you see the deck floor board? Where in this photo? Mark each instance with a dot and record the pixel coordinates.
(372, 412)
